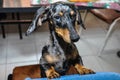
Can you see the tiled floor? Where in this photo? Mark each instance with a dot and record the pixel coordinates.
(15, 52)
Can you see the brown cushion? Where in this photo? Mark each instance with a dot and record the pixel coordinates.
(22, 72)
(107, 15)
(33, 71)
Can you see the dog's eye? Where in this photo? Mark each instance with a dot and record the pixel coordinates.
(73, 16)
(57, 17)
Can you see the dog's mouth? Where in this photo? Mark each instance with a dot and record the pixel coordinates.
(67, 35)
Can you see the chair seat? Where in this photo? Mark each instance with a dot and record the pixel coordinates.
(107, 15)
(33, 71)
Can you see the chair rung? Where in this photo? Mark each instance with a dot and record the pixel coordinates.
(14, 21)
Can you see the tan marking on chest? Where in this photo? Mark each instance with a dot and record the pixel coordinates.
(64, 33)
(51, 58)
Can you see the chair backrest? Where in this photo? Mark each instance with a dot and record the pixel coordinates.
(107, 15)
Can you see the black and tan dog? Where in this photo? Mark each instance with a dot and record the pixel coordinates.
(61, 52)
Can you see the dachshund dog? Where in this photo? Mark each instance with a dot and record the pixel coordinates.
(61, 52)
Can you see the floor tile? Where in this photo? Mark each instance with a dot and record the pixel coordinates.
(3, 50)
(2, 72)
(112, 45)
(94, 44)
(39, 51)
(91, 62)
(13, 38)
(42, 37)
(10, 67)
(93, 32)
(110, 63)
(21, 52)
(84, 48)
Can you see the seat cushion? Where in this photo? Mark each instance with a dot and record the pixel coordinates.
(107, 15)
(97, 76)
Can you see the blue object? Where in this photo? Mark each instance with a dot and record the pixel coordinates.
(97, 76)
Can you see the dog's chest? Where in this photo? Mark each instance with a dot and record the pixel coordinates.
(54, 58)
(55, 55)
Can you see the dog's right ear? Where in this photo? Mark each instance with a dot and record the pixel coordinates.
(79, 19)
(39, 18)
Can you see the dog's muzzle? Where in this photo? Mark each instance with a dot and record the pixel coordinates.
(73, 33)
(75, 38)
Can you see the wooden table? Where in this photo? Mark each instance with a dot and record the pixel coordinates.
(16, 7)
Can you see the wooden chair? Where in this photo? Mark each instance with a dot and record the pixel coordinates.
(32, 71)
(109, 16)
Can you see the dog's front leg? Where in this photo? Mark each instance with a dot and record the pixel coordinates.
(82, 70)
(51, 73)
(47, 61)
(48, 68)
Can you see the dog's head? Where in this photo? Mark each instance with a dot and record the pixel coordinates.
(63, 18)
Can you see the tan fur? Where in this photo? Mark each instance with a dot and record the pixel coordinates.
(77, 28)
(82, 70)
(64, 33)
(61, 13)
(51, 59)
(73, 55)
(51, 73)
(72, 12)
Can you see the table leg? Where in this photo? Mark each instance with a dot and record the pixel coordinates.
(3, 31)
(19, 26)
(118, 54)
(13, 15)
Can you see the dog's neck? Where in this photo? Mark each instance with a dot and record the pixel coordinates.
(59, 42)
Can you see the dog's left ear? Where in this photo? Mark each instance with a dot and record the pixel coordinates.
(40, 17)
(79, 19)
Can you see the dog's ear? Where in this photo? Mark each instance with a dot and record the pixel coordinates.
(78, 15)
(79, 19)
(39, 18)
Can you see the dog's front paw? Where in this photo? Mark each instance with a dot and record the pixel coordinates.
(51, 73)
(82, 70)
(85, 71)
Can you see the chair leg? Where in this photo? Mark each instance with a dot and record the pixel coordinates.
(84, 17)
(20, 31)
(85, 14)
(118, 54)
(10, 77)
(107, 36)
(19, 26)
(3, 31)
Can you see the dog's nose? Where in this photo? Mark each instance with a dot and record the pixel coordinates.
(75, 38)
